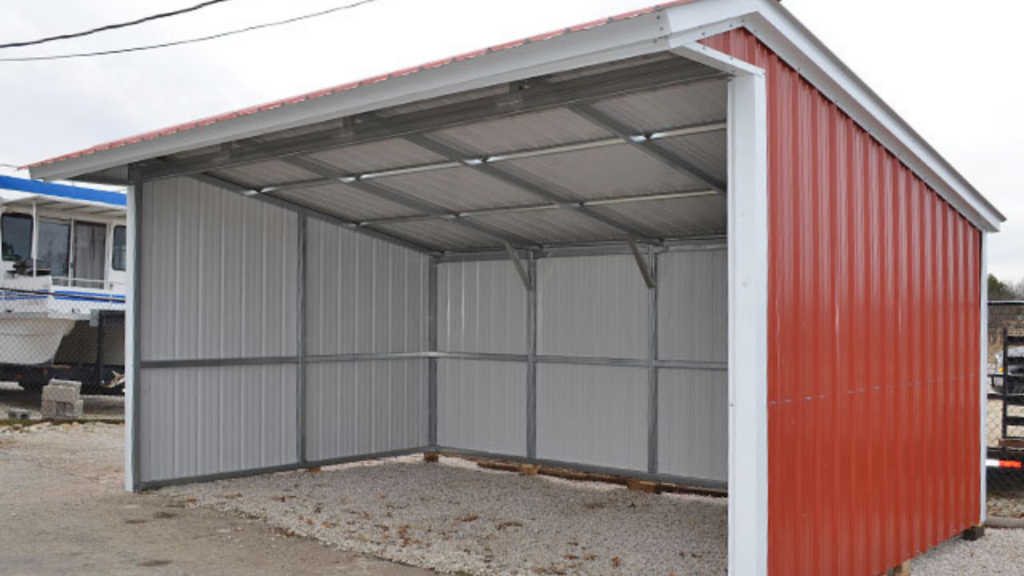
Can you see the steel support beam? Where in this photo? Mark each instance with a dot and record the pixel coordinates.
(531, 362)
(642, 263)
(524, 275)
(519, 97)
(300, 343)
(432, 335)
(647, 145)
(652, 356)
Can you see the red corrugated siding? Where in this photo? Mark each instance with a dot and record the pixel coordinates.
(873, 358)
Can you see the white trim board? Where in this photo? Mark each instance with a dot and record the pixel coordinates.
(748, 325)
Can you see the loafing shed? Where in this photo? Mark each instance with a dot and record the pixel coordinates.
(683, 243)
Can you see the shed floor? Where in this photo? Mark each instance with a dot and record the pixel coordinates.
(454, 517)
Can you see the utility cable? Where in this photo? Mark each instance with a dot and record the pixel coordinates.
(191, 40)
(109, 27)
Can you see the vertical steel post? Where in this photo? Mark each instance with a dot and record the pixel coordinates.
(432, 347)
(300, 342)
(652, 358)
(133, 386)
(531, 360)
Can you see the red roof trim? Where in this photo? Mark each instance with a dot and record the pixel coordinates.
(193, 124)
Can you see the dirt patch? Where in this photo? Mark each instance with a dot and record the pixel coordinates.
(64, 491)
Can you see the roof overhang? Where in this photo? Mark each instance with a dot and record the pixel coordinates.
(675, 27)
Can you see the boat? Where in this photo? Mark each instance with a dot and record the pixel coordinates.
(63, 274)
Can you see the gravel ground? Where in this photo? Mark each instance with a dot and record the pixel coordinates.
(456, 518)
(451, 517)
(96, 407)
(999, 552)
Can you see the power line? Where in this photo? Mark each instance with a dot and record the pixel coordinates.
(191, 40)
(113, 26)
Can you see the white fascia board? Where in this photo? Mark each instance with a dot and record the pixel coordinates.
(795, 44)
(637, 36)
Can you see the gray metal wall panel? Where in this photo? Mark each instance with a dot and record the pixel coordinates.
(199, 421)
(220, 279)
(591, 306)
(364, 295)
(482, 406)
(593, 415)
(356, 408)
(693, 423)
(481, 308)
(693, 305)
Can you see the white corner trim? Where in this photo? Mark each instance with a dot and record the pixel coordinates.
(748, 325)
(984, 378)
(130, 353)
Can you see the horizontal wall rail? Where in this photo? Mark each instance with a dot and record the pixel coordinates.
(478, 356)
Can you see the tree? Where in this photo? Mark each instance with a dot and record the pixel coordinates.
(999, 290)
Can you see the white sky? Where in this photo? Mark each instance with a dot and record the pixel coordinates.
(944, 65)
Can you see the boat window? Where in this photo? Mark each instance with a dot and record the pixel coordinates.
(54, 247)
(120, 255)
(17, 236)
(90, 254)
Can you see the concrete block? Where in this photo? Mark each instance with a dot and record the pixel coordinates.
(18, 414)
(63, 410)
(62, 391)
(71, 383)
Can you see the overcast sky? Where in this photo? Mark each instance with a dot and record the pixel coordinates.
(944, 65)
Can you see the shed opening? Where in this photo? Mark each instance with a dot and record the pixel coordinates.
(535, 270)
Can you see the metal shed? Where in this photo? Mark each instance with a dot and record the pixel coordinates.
(685, 242)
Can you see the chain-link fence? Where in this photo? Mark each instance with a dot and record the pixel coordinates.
(1005, 441)
(66, 333)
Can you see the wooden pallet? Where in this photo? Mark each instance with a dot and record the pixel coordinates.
(638, 484)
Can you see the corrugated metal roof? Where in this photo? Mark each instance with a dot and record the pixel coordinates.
(523, 132)
(685, 105)
(346, 202)
(353, 85)
(460, 189)
(708, 151)
(265, 173)
(377, 156)
(440, 234)
(605, 172)
(552, 226)
(678, 217)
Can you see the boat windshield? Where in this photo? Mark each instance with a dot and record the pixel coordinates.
(17, 236)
